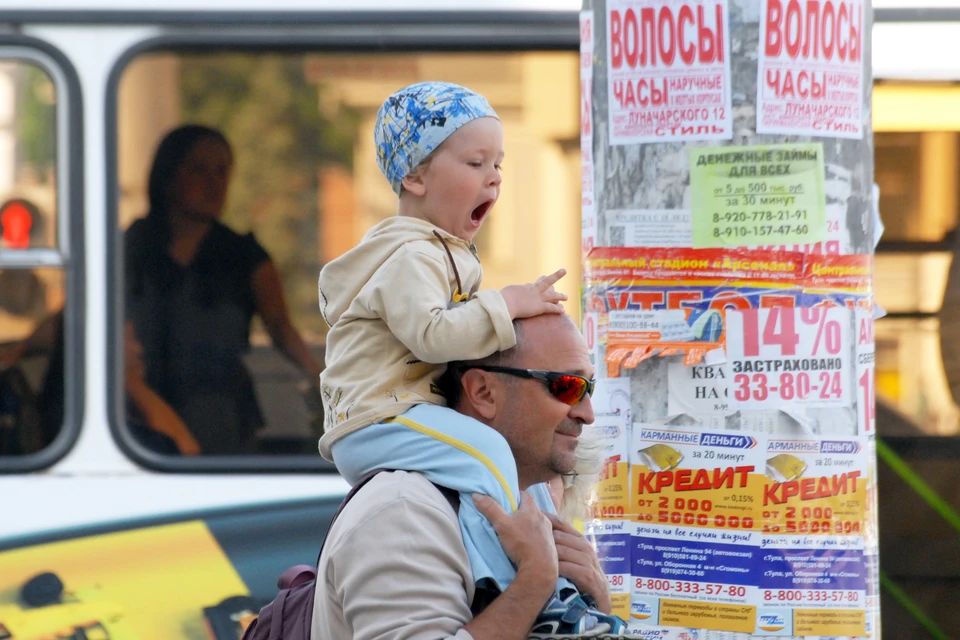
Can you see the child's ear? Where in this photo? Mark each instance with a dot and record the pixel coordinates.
(413, 182)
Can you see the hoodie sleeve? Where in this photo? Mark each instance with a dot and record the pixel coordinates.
(411, 293)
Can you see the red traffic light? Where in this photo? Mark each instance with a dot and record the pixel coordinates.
(18, 218)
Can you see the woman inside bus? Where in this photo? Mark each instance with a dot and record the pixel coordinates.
(192, 289)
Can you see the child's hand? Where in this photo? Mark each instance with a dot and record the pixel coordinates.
(529, 300)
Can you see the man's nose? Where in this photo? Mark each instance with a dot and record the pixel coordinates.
(583, 411)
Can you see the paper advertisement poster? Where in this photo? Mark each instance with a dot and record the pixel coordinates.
(695, 478)
(611, 491)
(699, 391)
(591, 321)
(814, 513)
(865, 373)
(668, 67)
(611, 397)
(663, 301)
(756, 196)
(693, 578)
(649, 228)
(810, 68)
(789, 357)
(588, 210)
(611, 539)
(695, 545)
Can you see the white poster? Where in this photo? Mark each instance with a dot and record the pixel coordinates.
(612, 398)
(588, 209)
(649, 228)
(668, 70)
(787, 357)
(810, 71)
(699, 391)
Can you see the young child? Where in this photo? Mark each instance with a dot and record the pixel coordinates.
(406, 301)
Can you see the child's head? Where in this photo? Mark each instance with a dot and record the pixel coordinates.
(440, 145)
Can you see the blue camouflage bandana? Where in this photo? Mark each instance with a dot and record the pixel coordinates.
(416, 120)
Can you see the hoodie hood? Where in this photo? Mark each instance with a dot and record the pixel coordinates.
(342, 279)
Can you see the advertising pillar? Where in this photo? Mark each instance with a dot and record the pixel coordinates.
(729, 223)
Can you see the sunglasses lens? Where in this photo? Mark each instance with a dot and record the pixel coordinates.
(568, 389)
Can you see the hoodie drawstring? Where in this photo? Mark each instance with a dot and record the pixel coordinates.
(458, 295)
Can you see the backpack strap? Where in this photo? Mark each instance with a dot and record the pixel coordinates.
(353, 491)
(484, 594)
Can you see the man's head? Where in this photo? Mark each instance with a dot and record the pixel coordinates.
(541, 429)
(440, 146)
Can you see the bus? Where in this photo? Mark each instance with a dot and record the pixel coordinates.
(104, 532)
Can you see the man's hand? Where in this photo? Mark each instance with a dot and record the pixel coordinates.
(529, 300)
(578, 563)
(526, 535)
(527, 539)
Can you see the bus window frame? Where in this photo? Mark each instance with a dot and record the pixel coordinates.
(344, 33)
(68, 253)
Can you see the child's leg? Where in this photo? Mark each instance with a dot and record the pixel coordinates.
(451, 450)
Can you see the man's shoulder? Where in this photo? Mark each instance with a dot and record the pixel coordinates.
(390, 490)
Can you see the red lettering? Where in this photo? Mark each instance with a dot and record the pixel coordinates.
(616, 45)
(648, 21)
(706, 38)
(687, 54)
(658, 97)
(812, 26)
(617, 300)
(786, 89)
(720, 43)
(729, 300)
(841, 18)
(790, 489)
(664, 479)
(682, 479)
(793, 17)
(818, 90)
(773, 79)
(644, 483)
(770, 494)
(774, 40)
(855, 32)
(631, 38)
(646, 300)
(666, 20)
(768, 302)
(743, 473)
(828, 30)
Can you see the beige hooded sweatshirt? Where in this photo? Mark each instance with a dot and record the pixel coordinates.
(398, 314)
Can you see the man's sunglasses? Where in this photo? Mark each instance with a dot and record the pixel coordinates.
(565, 387)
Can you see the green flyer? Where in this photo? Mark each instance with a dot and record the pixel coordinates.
(768, 195)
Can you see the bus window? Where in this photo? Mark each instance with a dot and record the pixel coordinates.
(917, 155)
(32, 278)
(293, 138)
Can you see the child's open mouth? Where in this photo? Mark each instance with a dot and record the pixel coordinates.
(480, 213)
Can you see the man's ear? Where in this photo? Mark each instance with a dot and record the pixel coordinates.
(413, 182)
(480, 392)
